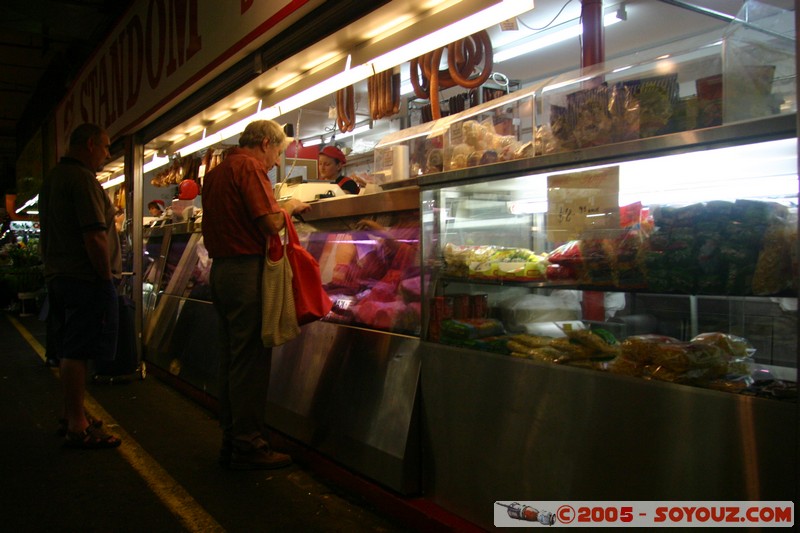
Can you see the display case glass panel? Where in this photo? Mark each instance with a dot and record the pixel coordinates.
(680, 268)
(370, 269)
(498, 130)
(405, 154)
(700, 85)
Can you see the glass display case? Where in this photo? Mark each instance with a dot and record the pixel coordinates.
(678, 266)
(645, 227)
(498, 130)
(368, 252)
(179, 322)
(624, 313)
(404, 155)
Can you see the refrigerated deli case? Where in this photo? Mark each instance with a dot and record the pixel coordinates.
(347, 386)
(635, 333)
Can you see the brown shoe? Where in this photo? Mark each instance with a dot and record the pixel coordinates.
(259, 459)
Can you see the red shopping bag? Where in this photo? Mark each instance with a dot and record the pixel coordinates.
(310, 299)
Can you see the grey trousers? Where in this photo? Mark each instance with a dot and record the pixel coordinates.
(244, 363)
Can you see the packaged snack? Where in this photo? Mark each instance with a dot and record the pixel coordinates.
(498, 344)
(566, 254)
(657, 97)
(471, 328)
(562, 124)
(773, 273)
(639, 348)
(532, 341)
(593, 122)
(474, 158)
(624, 109)
(598, 343)
(561, 273)
(732, 346)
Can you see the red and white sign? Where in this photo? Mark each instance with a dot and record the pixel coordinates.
(159, 51)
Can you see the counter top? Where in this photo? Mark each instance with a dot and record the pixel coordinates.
(403, 199)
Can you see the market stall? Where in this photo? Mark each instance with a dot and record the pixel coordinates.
(564, 284)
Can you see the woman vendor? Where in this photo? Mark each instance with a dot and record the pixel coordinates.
(331, 162)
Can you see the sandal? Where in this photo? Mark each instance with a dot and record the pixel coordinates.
(62, 424)
(92, 438)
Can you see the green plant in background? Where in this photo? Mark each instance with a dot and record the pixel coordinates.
(21, 254)
(21, 266)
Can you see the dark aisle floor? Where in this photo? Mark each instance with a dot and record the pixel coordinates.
(164, 477)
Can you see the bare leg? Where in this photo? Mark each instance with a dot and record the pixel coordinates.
(73, 379)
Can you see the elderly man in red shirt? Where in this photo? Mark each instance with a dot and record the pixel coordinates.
(239, 213)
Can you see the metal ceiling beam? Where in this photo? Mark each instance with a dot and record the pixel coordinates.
(722, 16)
(700, 9)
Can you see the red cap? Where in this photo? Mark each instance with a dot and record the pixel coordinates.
(334, 153)
(160, 203)
(188, 190)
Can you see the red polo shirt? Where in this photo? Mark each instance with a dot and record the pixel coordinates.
(235, 193)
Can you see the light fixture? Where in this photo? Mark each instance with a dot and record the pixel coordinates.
(543, 39)
(114, 182)
(32, 201)
(205, 142)
(156, 162)
(458, 30)
(313, 141)
(360, 129)
(331, 85)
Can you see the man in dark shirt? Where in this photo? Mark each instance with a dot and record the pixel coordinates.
(81, 254)
(239, 213)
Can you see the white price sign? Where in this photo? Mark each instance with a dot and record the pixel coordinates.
(581, 202)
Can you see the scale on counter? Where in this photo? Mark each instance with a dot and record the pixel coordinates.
(307, 192)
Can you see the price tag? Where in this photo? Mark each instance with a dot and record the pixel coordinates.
(456, 133)
(385, 159)
(580, 203)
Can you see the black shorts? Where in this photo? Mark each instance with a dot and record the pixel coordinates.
(86, 316)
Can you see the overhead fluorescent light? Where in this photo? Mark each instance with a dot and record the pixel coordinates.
(156, 162)
(331, 85)
(360, 129)
(458, 30)
(205, 142)
(32, 201)
(114, 182)
(314, 141)
(540, 40)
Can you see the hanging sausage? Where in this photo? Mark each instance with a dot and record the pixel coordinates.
(346, 109)
(383, 90)
(464, 58)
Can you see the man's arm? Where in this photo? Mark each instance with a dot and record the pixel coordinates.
(273, 222)
(96, 244)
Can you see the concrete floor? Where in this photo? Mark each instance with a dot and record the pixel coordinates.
(165, 476)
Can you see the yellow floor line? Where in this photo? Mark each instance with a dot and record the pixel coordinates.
(170, 492)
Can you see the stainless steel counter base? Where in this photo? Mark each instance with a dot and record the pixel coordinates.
(352, 395)
(503, 429)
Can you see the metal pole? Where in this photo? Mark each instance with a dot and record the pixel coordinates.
(594, 50)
